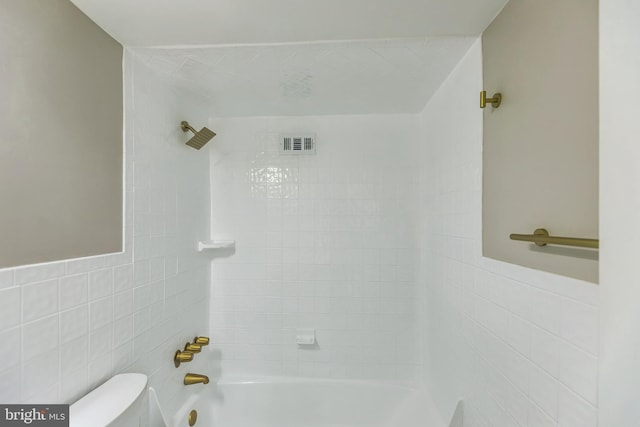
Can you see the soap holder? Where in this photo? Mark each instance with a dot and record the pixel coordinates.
(305, 336)
(216, 244)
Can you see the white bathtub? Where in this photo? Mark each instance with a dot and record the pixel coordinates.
(288, 402)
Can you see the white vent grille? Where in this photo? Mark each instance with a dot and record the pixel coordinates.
(298, 144)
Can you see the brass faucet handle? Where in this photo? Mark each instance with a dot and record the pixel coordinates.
(181, 357)
(194, 348)
(201, 340)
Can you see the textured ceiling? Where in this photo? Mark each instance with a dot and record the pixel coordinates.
(191, 22)
(393, 76)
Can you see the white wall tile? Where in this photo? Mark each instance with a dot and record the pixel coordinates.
(100, 313)
(573, 411)
(517, 404)
(338, 244)
(100, 284)
(13, 392)
(73, 384)
(40, 337)
(123, 304)
(100, 342)
(74, 324)
(6, 278)
(543, 390)
(545, 351)
(100, 370)
(73, 290)
(122, 330)
(11, 348)
(10, 308)
(39, 300)
(519, 335)
(84, 265)
(579, 325)
(545, 310)
(39, 273)
(123, 357)
(40, 378)
(491, 316)
(123, 277)
(73, 356)
(539, 418)
(579, 371)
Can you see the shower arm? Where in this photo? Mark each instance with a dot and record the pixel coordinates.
(186, 127)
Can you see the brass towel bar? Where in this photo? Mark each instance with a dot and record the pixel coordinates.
(541, 238)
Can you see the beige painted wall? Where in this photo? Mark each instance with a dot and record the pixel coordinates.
(541, 145)
(60, 134)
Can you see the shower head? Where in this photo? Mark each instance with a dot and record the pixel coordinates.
(200, 138)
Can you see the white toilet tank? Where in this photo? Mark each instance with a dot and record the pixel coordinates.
(120, 402)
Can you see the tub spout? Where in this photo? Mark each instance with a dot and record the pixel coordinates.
(195, 379)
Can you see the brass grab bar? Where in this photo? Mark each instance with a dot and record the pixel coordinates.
(541, 238)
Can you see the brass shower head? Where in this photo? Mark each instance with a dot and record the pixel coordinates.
(200, 138)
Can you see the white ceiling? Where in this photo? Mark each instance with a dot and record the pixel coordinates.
(299, 57)
(367, 77)
(189, 22)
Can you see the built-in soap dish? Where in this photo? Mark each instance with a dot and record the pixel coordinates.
(216, 244)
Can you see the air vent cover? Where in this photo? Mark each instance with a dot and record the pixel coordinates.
(298, 143)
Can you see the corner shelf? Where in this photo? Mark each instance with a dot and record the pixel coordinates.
(216, 244)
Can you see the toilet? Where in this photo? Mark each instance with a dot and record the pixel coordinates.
(120, 402)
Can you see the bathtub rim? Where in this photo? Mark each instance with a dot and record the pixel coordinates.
(408, 386)
(247, 379)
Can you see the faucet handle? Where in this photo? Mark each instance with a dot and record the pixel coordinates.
(181, 357)
(193, 348)
(201, 340)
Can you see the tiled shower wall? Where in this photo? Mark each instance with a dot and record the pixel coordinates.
(67, 326)
(518, 345)
(324, 241)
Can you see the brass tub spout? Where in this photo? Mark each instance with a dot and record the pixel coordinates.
(190, 379)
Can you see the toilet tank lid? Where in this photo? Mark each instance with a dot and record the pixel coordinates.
(107, 402)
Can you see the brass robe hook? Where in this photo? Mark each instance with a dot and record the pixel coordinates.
(495, 101)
